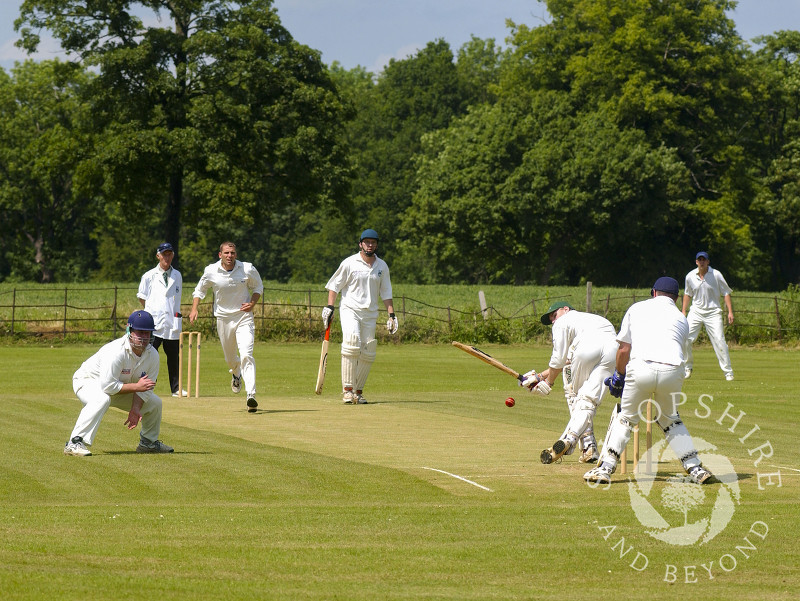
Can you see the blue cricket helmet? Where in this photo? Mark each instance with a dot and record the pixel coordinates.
(142, 321)
(368, 233)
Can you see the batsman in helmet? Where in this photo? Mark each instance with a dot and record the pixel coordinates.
(362, 279)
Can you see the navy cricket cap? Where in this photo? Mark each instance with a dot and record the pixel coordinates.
(703, 254)
(165, 246)
(666, 284)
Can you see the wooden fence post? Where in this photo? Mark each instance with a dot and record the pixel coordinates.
(13, 309)
(778, 319)
(114, 313)
(482, 301)
(310, 324)
(588, 297)
(65, 313)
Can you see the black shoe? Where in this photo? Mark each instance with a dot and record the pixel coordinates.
(251, 405)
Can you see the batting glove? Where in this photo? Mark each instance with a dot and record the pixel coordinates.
(542, 388)
(327, 315)
(392, 323)
(615, 384)
(530, 379)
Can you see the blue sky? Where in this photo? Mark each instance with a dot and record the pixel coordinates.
(371, 32)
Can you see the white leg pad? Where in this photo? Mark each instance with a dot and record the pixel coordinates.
(365, 360)
(583, 411)
(617, 437)
(679, 440)
(350, 352)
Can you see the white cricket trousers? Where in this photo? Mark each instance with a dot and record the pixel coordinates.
(237, 336)
(712, 320)
(96, 403)
(359, 346)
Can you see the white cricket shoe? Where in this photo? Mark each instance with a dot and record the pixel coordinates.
(729, 377)
(600, 474)
(700, 475)
(349, 397)
(359, 398)
(589, 455)
(687, 374)
(181, 393)
(236, 384)
(76, 447)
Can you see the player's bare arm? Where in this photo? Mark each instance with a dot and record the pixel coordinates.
(193, 310)
(135, 414)
(729, 306)
(247, 307)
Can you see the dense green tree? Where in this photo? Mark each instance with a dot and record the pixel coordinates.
(411, 97)
(633, 116)
(46, 202)
(569, 198)
(213, 116)
(777, 144)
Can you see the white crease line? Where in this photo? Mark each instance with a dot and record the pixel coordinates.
(433, 469)
(783, 467)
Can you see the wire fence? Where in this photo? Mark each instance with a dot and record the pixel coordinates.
(293, 314)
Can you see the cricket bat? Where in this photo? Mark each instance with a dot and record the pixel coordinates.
(487, 358)
(323, 360)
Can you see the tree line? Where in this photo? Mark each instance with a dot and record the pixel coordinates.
(609, 143)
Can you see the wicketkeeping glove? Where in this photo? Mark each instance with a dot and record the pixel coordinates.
(392, 323)
(615, 384)
(327, 315)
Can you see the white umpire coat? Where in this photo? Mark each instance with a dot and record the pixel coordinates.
(163, 301)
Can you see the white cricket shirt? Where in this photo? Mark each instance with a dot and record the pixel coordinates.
(231, 288)
(116, 364)
(573, 328)
(705, 292)
(361, 284)
(162, 300)
(656, 330)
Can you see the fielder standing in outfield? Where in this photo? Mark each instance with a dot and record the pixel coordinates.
(237, 287)
(584, 345)
(160, 295)
(704, 286)
(650, 362)
(361, 278)
(121, 374)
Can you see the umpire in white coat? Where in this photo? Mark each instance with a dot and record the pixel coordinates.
(160, 294)
(361, 278)
(237, 287)
(704, 286)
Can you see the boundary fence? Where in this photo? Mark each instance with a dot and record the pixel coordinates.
(293, 314)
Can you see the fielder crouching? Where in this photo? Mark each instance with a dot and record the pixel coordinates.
(121, 374)
(650, 362)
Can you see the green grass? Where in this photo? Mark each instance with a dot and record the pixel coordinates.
(311, 499)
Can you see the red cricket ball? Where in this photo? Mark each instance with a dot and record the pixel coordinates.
(510, 402)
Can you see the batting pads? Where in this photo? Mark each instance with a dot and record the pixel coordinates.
(675, 432)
